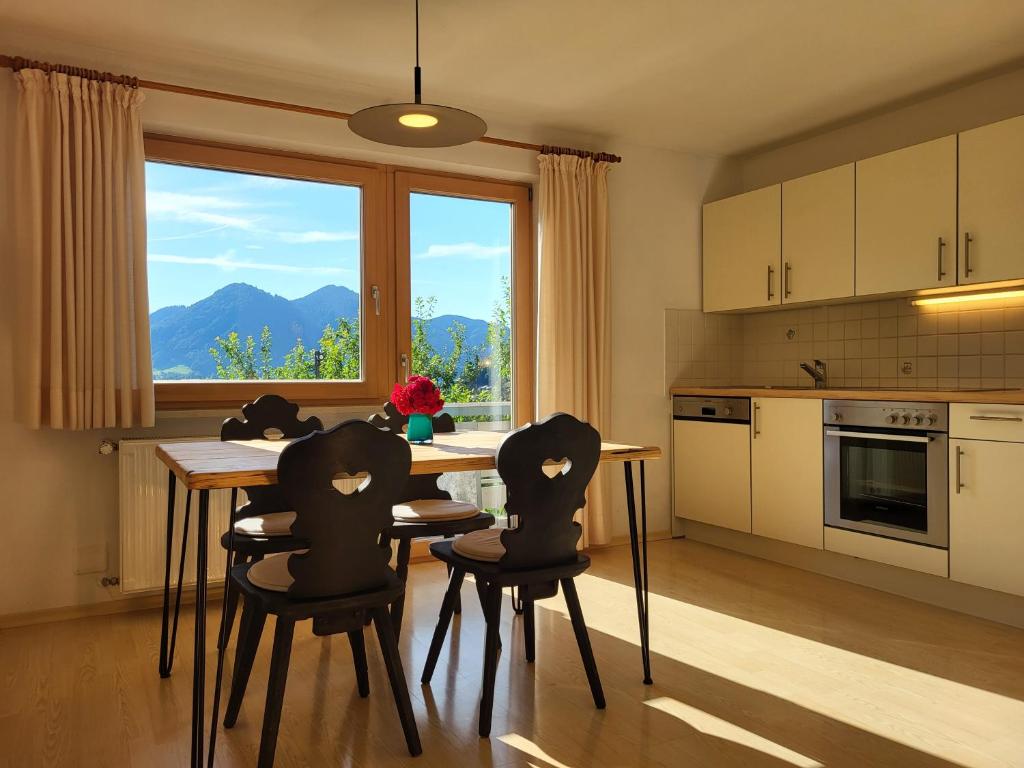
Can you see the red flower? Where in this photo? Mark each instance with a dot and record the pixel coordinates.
(419, 395)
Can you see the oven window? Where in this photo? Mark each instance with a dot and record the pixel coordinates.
(884, 482)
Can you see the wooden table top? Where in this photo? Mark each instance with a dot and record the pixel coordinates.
(211, 464)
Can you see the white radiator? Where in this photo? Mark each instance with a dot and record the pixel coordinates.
(142, 505)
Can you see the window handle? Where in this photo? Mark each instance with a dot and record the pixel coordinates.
(375, 293)
(403, 361)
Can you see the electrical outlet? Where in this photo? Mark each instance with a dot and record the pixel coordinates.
(907, 369)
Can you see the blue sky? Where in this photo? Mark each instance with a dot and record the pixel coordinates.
(210, 228)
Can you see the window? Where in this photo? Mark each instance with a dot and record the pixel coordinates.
(270, 266)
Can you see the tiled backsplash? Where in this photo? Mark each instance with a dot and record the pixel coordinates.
(887, 344)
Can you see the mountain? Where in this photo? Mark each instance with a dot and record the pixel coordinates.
(182, 336)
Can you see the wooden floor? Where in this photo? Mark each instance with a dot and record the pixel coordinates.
(755, 664)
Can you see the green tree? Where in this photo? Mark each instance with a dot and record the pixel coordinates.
(235, 360)
(499, 337)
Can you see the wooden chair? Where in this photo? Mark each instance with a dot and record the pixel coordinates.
(537, 555)
(262, 526)
(424, 509)
(343, 577)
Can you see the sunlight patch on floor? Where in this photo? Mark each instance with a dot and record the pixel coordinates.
(527, 747)
(922, 711)
(721, 729)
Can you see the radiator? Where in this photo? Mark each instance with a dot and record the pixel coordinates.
(142, 509)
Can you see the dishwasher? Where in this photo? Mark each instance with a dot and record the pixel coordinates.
(711, 460)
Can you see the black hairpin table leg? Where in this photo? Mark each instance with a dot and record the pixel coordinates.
(638, 550)
(199, 648)
(222, 643)
(169, 628)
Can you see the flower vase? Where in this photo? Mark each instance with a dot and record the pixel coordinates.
(421, 429)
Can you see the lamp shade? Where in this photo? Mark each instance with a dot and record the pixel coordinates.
(424, 125)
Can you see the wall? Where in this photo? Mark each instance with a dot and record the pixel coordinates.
(61, 494)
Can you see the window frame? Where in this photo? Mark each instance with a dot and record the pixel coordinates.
(385, 262)
(375, 269)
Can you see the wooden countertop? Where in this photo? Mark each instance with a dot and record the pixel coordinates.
(995, 396)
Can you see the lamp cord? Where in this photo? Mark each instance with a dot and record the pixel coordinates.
(416, 71)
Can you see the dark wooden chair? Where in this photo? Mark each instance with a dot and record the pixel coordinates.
(262, 526)
(343, 577)
(424, 510)
(537, 555)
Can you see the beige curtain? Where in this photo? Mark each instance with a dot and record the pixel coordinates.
(573, 357)
(80, 212)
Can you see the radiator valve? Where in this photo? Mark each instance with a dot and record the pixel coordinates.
(107, 447)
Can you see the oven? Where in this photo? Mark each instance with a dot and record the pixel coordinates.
(886, 469)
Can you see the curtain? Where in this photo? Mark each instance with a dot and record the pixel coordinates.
(573, 356)
(83, 316)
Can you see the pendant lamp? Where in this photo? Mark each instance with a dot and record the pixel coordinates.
(417, 124)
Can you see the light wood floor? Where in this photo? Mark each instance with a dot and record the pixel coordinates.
(755, 664)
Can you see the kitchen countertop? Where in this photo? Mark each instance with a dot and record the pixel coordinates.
(995, 396)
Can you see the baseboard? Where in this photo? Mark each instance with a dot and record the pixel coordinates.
(923, 587)
(127, 604)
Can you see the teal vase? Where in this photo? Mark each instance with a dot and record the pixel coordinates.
(421, 429)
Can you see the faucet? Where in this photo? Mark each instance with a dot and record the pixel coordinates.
(819, 373)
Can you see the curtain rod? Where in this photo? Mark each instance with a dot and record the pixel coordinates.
(15, 63)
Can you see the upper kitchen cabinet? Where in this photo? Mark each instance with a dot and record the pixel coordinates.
(742, 251)
(906, 219)
(992, 202)
(818, 236)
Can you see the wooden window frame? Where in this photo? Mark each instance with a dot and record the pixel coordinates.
(523, 285)
(384, 262)
(375, 269)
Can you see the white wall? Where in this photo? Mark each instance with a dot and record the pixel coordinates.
(60, 494)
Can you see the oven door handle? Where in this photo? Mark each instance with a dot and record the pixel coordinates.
(877, 436)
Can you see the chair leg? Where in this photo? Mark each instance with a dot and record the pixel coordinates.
(528, 631)
(493, 616)
(402, 571)
(458, 598)
(572, 600)
(275, 690)
(396, 675)
(355, 639)
(231, 602)
(481, 591)
(444, 619)
(253, 618)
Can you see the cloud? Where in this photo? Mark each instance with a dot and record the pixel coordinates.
(203, 209)
(228, 263)
(316, 236)
(474, 251)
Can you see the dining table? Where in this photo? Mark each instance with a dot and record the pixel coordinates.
(205, 465)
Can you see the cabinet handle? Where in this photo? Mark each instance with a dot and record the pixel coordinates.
(787, 279)
(967, 254)
(996, 418)
(959, 456)
(757, 421)
(771, 274)
(942, 272)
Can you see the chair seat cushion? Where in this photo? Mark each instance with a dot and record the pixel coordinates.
(481, 545)
(434, 510)
(271, 524)
(271, 573)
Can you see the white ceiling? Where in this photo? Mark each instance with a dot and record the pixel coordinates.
(707, 76)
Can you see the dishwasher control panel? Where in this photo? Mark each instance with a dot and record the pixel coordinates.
(695, 408)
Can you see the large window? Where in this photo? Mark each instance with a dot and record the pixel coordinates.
(328, 281)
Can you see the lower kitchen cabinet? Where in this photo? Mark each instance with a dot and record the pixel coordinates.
(712, 473)
(986, 514)
(786, 470)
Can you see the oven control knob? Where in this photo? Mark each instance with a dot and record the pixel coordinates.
(728, 411)
(891, 418)
(904, 419)
(930, 419)
(918, 420)
(837, 416)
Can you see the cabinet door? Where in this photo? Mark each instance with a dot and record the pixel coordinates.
(712, 473)
(742, 251)
(992, 202)
(986, 517)
(906, 219)
(786, 470)
(817, 236)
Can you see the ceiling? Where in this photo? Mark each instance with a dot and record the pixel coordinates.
(711, 77)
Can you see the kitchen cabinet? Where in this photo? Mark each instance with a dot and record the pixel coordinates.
(706, 488)
(818, 236)
(991, 237)
(906, 218)
(742, 251)
(986, 517)
(786, 470)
